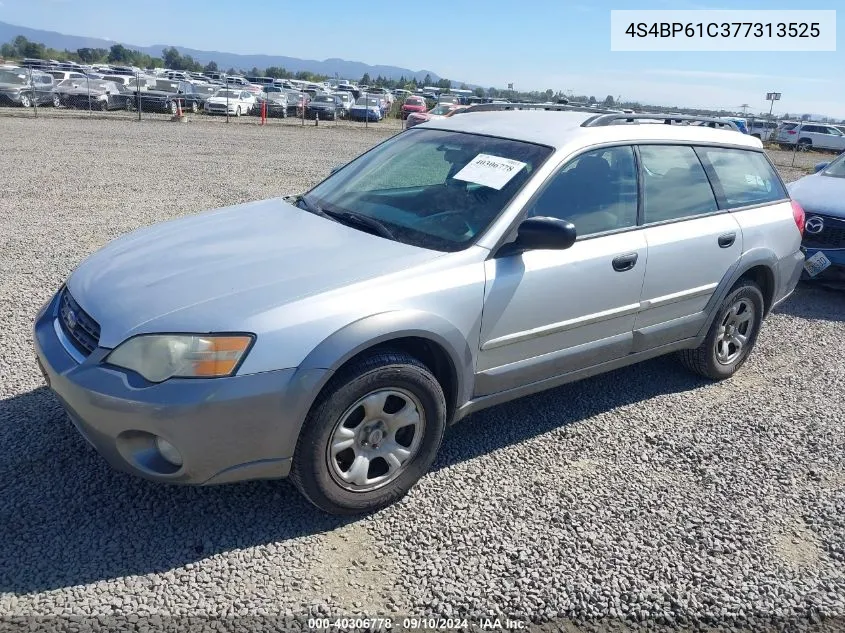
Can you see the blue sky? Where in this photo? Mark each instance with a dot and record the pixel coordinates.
(558, 44)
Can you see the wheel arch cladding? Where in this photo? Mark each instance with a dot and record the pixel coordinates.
(758, 265)
(431, 339)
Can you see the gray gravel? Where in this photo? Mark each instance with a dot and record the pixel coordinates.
(646, 495)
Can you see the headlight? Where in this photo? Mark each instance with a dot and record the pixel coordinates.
(158, 357)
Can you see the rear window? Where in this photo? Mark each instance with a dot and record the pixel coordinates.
(745, 177)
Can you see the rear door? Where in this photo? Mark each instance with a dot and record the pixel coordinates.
(692, 244)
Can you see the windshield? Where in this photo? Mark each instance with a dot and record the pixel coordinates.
(836, 168)
(441, 109)
(365, 101)
(324, 99)
(12, 77)
(421, 186)
(231, 94)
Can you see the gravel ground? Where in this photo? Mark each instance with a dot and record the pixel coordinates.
(646, 495)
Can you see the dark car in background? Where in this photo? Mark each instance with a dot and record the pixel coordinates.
(276, 100)
(822, 195)
(325, 106)
(168, 95)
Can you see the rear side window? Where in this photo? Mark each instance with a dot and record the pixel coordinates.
(675, 184)
(745, 177)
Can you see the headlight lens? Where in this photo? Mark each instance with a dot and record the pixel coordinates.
(158, 357)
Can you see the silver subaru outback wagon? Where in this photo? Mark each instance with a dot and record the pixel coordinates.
(334, 335)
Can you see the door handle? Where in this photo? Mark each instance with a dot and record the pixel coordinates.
(727, 240)
(625, 262)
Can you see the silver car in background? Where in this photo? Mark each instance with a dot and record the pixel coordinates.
(334, 335)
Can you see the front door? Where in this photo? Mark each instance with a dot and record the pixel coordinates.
(547, 312)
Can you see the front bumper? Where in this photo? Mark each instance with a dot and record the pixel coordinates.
(10, 98)
(833, 273)
(226, 429)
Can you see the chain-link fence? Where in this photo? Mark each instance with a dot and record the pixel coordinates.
(25, 92)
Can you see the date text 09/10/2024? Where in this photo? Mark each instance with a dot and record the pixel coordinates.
(492, 623)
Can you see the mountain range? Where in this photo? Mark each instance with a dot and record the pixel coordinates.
(344, 69)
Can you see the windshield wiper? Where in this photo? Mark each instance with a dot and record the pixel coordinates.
(312, 208)
(365, 221)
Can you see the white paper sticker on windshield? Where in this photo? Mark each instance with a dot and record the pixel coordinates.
(490, 171)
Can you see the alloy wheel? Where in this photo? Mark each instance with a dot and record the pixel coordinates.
(375, 439)
(736, 326)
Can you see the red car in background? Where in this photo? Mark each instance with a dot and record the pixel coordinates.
(440, 111)
(412, 104)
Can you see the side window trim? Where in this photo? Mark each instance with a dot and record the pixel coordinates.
(715, 184)
(559, 169)
(641, 179)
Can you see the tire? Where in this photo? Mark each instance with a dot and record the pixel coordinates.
(128, 105)
(318, 473)
(57, 101)
(704, 360)
(238, 111)
(26, 102)
(172, 106)
(104, 106)
(805, 145)
(194, 107)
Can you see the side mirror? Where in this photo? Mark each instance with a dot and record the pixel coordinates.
(819, 167)
(541, 233)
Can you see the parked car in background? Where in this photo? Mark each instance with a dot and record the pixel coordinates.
(441, 110)
(25, 88)
(235, 102)
(95, 95)
(168, 95)
(346, 100)
(276, 100)
(326, 106)
(764, 129)
(822, 195)
(413, 104)
(61, 75)
(809, 135)
(366, 109)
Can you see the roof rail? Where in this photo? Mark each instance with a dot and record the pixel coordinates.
(668, 119)
(495, 107)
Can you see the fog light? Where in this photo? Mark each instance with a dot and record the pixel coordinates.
(168, 451)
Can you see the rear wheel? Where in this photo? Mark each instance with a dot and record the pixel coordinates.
(104, 105)
(731, 336)
(57, 100)
(194, 107)
(372, 433)
(805, 145)
(238, 111)
(26, 102)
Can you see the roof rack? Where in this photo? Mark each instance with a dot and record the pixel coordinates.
(495, 107)
(668, 119)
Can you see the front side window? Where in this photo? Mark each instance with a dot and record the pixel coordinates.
(745, 177)
(432, 188)
(597, 192)
(675, 185)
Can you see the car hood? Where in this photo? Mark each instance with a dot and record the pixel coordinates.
(217, 270)
(221, 100)
(820, 194)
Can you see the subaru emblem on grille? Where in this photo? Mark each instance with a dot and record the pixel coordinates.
(71, 319)
(814, 225)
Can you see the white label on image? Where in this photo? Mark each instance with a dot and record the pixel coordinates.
(490, 171)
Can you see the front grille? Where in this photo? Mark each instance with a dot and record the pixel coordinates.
(831, 236)
(81, 329)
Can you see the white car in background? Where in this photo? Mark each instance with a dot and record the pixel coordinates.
(810, 135)
(238, 102)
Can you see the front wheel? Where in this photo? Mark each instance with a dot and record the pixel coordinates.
(731, 336)
(25, 101)
(57, 101)
(805, 145)
(238, 111)
(372, 433)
